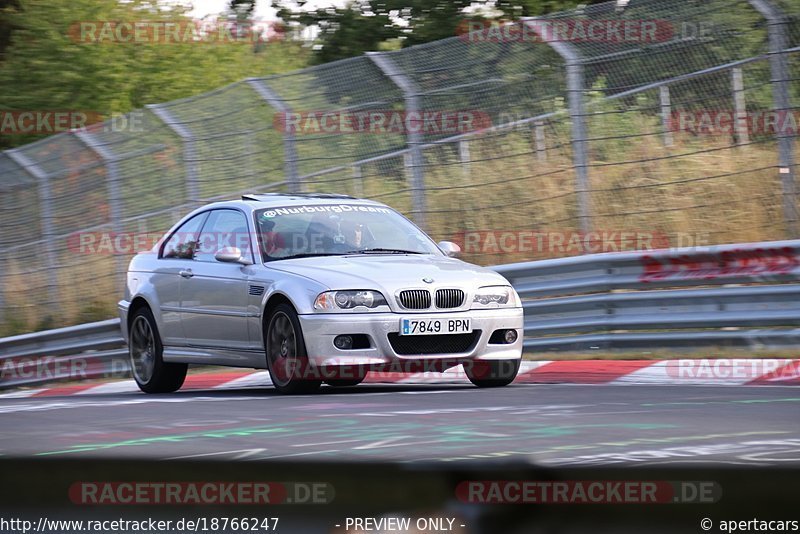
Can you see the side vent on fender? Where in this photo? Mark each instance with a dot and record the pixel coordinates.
(256, 291)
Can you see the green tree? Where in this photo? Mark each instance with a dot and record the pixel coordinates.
(364, 25)
(48, 66)
(6, 8)
(243, 7)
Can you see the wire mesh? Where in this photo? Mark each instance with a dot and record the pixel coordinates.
(681, 137)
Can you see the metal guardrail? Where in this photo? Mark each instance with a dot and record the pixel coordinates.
(91, 350)
(730, 295)
(745, 295)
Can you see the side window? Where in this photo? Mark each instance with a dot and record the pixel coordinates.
(182, 244)
(224, 228)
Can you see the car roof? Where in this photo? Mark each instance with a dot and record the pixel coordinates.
(271, 200)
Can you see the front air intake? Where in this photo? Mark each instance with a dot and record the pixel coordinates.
(415, 299)
(449, 298)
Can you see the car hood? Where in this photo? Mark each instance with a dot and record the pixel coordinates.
(391, 273)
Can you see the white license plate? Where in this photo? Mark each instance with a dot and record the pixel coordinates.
(426, 326)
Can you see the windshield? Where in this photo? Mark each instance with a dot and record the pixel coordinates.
(337, 229)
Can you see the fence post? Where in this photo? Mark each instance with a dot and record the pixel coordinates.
(3, 260)
(666, 114)
(414, 138)
(778, 28)
(576, 88)
(289, 149)
(358, 181)
(740, 107)
(46, 216)
(189, 150)
(541, 144)
(113, 190)
(465, 158)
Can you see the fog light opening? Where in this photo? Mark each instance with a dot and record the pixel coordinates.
(343, 342)
(503, 337)
(510, 336)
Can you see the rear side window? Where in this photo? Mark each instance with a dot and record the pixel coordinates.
(183, 243)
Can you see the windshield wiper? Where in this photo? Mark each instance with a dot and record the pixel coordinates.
(307, 255)
(383, 251)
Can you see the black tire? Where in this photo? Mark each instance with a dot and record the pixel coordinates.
(145, 351)
(287, 360)
(344, 382)
(492, 374)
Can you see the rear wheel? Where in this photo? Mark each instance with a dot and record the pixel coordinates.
(151, 373)
(287, 360)
(492, 374)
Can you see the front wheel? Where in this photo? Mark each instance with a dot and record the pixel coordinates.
(492, 373)
(151, 373)
(344, 382)
(287, 360)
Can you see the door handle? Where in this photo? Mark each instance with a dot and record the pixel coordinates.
(187, 273)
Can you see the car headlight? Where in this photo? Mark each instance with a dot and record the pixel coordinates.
(349, 300)
(495, 297)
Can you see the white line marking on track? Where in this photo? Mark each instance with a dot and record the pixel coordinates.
(244, 454)
(74, 403)
(327, 443)
(298, 454)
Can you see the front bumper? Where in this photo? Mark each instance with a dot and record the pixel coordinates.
(122, 307)
(320, 329)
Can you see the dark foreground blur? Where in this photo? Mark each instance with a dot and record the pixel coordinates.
(216, 496)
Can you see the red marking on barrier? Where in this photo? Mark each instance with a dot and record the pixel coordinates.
(726, 264)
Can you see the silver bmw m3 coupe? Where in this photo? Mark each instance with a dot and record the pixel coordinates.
(315, 288)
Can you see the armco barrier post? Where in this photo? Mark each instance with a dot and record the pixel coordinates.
(778, 28)
(114, 195)
(289, 149)
(576, 89)
(413, 138)
(189, 150)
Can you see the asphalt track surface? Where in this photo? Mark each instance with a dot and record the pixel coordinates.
(549, 425)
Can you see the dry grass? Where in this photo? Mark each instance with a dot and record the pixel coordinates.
(689, 189)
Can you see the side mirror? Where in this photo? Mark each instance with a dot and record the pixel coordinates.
(231, 255)
(450, 249)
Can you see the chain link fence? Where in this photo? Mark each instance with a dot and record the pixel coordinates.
(681, 132)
